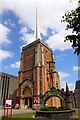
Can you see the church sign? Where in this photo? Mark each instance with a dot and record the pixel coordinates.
(8, 106)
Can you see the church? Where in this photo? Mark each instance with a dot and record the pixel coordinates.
(37, 74)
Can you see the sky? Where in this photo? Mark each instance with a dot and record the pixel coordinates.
(17, 26)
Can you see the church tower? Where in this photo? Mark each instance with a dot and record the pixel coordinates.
(37, 73)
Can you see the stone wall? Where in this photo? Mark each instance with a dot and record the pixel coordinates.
(77, 94)
(77, 98)
(56, 115)
(34, 65)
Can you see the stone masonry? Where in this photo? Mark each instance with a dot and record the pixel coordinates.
(37, 74)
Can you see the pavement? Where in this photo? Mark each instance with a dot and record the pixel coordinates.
(16, 111)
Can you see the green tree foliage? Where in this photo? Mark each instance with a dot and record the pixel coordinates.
(73, 22)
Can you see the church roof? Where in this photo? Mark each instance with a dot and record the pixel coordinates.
(36, 42)
(6, 74)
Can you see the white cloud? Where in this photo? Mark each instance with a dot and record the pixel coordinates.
(50, 14)
(23, 30)
(26, 36)
(63, 75)
(61, 56)
(63, 84)
(71, 85)
(9, 22)
(76, 68)
(16, 65)
(57, 41)
(5, 54)
(4, 32)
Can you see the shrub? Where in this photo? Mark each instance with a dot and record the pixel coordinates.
(51, 109)
(44, 108)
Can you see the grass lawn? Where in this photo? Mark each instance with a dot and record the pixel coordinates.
(24, 115)
(29, 116)
(78, 112)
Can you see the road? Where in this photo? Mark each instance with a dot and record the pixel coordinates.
(16, 111)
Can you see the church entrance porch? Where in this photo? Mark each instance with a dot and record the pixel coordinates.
(28, 102)
(26, 99)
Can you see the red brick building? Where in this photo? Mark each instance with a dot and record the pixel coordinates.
(37, 75)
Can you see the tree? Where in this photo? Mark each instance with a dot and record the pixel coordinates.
(73, 22)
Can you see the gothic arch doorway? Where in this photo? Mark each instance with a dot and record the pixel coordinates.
(27, 92)
(27, 97)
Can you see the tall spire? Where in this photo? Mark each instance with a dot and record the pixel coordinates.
(67, 89)
(37, 33)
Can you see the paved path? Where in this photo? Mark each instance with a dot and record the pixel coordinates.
(16, 111)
